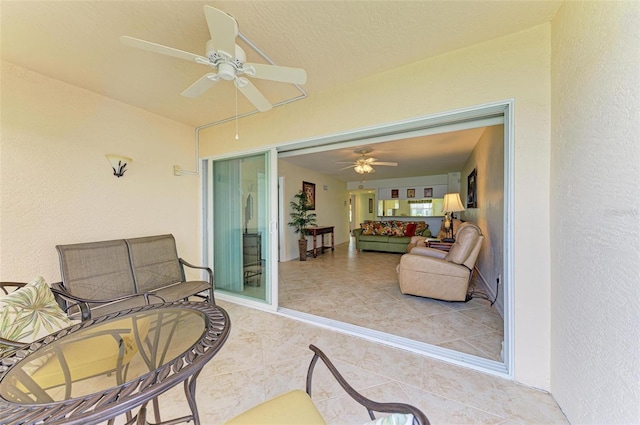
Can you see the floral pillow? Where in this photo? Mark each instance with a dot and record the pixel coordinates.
(30, 313)
(367, 228)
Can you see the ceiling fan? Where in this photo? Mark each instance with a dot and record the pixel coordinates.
(363, 165)
(228, 60)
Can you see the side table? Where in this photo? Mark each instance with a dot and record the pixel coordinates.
(442, 246)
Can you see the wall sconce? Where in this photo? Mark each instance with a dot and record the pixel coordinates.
(118, 163)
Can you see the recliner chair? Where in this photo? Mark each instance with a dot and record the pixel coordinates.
(433, 273)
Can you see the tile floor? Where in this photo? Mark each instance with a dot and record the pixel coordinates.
(361, 288)
(266, 354)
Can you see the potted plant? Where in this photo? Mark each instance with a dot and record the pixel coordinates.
(301, 218)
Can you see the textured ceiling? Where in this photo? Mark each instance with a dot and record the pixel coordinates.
(334, 41)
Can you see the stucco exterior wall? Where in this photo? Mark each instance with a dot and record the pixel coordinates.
(595, 170)
(516, 66)
(57, 187)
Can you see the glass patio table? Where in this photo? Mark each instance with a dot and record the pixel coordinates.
(105, 367)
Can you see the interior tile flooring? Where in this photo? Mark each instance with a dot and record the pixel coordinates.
(267, 354)
(361, 288)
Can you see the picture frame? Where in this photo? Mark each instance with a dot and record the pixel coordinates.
(411, 193)
(370, 205)
(395, 193)
(310, 190)
(428, 192)
(472, 187)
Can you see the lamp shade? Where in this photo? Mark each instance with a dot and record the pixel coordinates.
(452, 203)
(118, 163)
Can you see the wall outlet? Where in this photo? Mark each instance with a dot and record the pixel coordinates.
(176, 170)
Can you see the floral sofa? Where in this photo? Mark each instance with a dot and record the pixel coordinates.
(388, 236)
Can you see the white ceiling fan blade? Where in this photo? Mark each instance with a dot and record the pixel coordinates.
(276, 73)
(391, 164)
(253, 94)
(350, 166)
(223, 29)
(203, 84)
(159, 48)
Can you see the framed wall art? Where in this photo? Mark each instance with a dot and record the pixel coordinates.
(395, 193)
(310, 190)
(472, 185)
(411, 193)
(428, 192)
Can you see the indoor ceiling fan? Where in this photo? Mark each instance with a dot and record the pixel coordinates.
(227, 59)
(363, 165)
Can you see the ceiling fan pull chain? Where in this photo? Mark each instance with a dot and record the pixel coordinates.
(237, 137)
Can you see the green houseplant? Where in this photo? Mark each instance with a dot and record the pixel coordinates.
(301, 218)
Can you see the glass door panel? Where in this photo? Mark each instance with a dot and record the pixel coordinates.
(240, 238)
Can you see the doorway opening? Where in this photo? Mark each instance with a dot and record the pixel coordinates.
(480, 116)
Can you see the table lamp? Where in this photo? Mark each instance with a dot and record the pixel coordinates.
(451, 204)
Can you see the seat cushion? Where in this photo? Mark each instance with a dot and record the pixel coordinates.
(292, 408)
(181, 290)
(374, 238)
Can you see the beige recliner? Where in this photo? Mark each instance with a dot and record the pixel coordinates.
(432, 273)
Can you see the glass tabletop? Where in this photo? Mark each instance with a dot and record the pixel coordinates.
(103, 355)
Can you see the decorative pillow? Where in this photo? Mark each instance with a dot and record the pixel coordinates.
(367, 228)
(395, 419)
(30, 313)
(410, 230)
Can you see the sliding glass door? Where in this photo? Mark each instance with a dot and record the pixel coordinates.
(238, 242)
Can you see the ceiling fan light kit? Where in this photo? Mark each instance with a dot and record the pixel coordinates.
(227, 58)
(363, 165)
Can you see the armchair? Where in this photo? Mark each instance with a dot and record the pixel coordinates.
(432, 273)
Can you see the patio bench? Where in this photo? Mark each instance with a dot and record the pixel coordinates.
(106, 270)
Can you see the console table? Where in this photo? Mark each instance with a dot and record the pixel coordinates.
(152, 349)
(320, 230)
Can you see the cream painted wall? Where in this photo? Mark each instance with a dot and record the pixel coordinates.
(58, 188)
(488, 159)
(516, 66)
(362, 208)
(595, 170)
(332, 205)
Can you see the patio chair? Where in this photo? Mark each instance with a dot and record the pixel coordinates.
(296, 407)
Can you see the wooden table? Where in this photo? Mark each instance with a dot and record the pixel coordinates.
(161, 346)
(320, 230)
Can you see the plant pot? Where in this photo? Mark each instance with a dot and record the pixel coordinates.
(302, 247)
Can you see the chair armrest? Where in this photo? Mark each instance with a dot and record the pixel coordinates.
(12, 343)
(208, 269)
(84, 304)
(3, 286)
(429, 252)
(419, 418)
